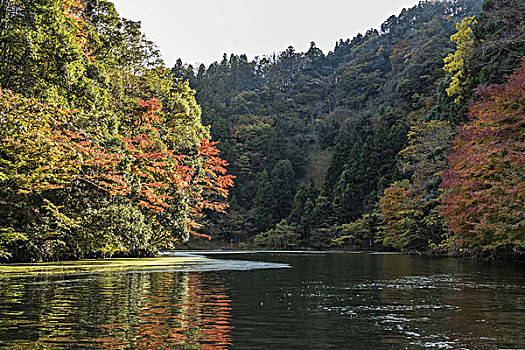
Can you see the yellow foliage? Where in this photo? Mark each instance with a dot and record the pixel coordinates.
(455, 62)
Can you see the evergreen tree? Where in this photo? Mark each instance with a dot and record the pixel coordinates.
(283, 184)
(265, 204)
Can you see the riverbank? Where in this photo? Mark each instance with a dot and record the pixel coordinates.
(501, 253)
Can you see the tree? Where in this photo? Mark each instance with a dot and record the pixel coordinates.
(41, 160)
(425, 157)
(499, 42)
(303, 207)
(43, 55)
(400, 214)
(484, 199)
(265, 203)
(290, 104)
(58, 183)
(409, 208)
(455, 62)
(283, 185)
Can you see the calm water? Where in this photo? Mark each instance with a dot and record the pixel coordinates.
(307, 301)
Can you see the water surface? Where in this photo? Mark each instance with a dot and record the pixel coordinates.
(272, 300)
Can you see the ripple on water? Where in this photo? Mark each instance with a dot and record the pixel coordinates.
(343, 301)
(407, 308)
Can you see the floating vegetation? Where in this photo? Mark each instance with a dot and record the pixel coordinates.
(109, 265)
(186, 262)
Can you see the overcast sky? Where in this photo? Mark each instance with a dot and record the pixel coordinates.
(200, 31)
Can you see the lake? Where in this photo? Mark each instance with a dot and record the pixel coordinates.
(272, 300)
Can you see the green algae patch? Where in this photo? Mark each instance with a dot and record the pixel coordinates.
(108, 265)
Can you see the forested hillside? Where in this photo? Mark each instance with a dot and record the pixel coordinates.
(101, 153)
(348, 148)
(409, 136)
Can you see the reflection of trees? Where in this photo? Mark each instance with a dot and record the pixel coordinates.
(140, 311)
(466, 320)
(450, 307)
(195, 314)
(17, 316)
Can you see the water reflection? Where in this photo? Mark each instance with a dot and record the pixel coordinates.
(343, 301)
(325, 301)
(140, 311)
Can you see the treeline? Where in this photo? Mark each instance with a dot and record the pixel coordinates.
(101, 152)
(353, 148)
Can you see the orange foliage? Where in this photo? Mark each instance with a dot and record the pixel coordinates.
(49, 156)
(485, 199)
(74, 10)
(159, 171)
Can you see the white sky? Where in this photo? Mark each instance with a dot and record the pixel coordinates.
(200, 31)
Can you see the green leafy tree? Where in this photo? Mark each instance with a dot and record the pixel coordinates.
(410, 208)
(43, 52)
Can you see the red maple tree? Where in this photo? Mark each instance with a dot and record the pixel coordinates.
(484, 202)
